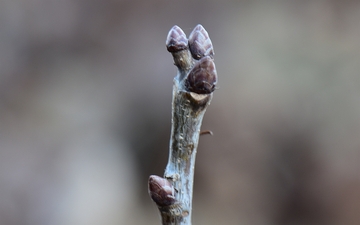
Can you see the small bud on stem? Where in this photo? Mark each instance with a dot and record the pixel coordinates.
(176, 40)
(202, 78)
(161, 191)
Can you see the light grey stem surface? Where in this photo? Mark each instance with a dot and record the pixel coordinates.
(188, 113)
(192, 93)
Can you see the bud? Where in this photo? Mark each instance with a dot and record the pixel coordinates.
(200, 44)
(161, 191)
(203, 77)
(176, 40)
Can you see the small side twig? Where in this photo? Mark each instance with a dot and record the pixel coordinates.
(192, 93)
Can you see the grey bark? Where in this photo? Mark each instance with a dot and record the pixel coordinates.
(192, 93)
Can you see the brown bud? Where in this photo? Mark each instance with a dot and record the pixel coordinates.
(200, 44)
(203, 77)
(161, 191)
(176, 40)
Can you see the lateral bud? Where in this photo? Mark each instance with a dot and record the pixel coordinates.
(161, 191)
(203, 77)
(176, 40)
(200, 43)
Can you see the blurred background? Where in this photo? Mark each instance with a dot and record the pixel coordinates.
(85, 111)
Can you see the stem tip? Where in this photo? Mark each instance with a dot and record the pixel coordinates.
(176, 40)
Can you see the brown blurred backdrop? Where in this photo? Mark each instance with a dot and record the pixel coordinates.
(85, 108)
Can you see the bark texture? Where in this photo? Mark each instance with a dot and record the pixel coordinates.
(193, 88)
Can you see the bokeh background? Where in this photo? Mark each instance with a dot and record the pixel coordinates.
(85, 110)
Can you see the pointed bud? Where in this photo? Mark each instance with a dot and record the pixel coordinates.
(200, 44)
(161, 191)
(203, 77)
(176, 40)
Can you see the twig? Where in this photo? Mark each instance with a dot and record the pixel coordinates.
(192, 92)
